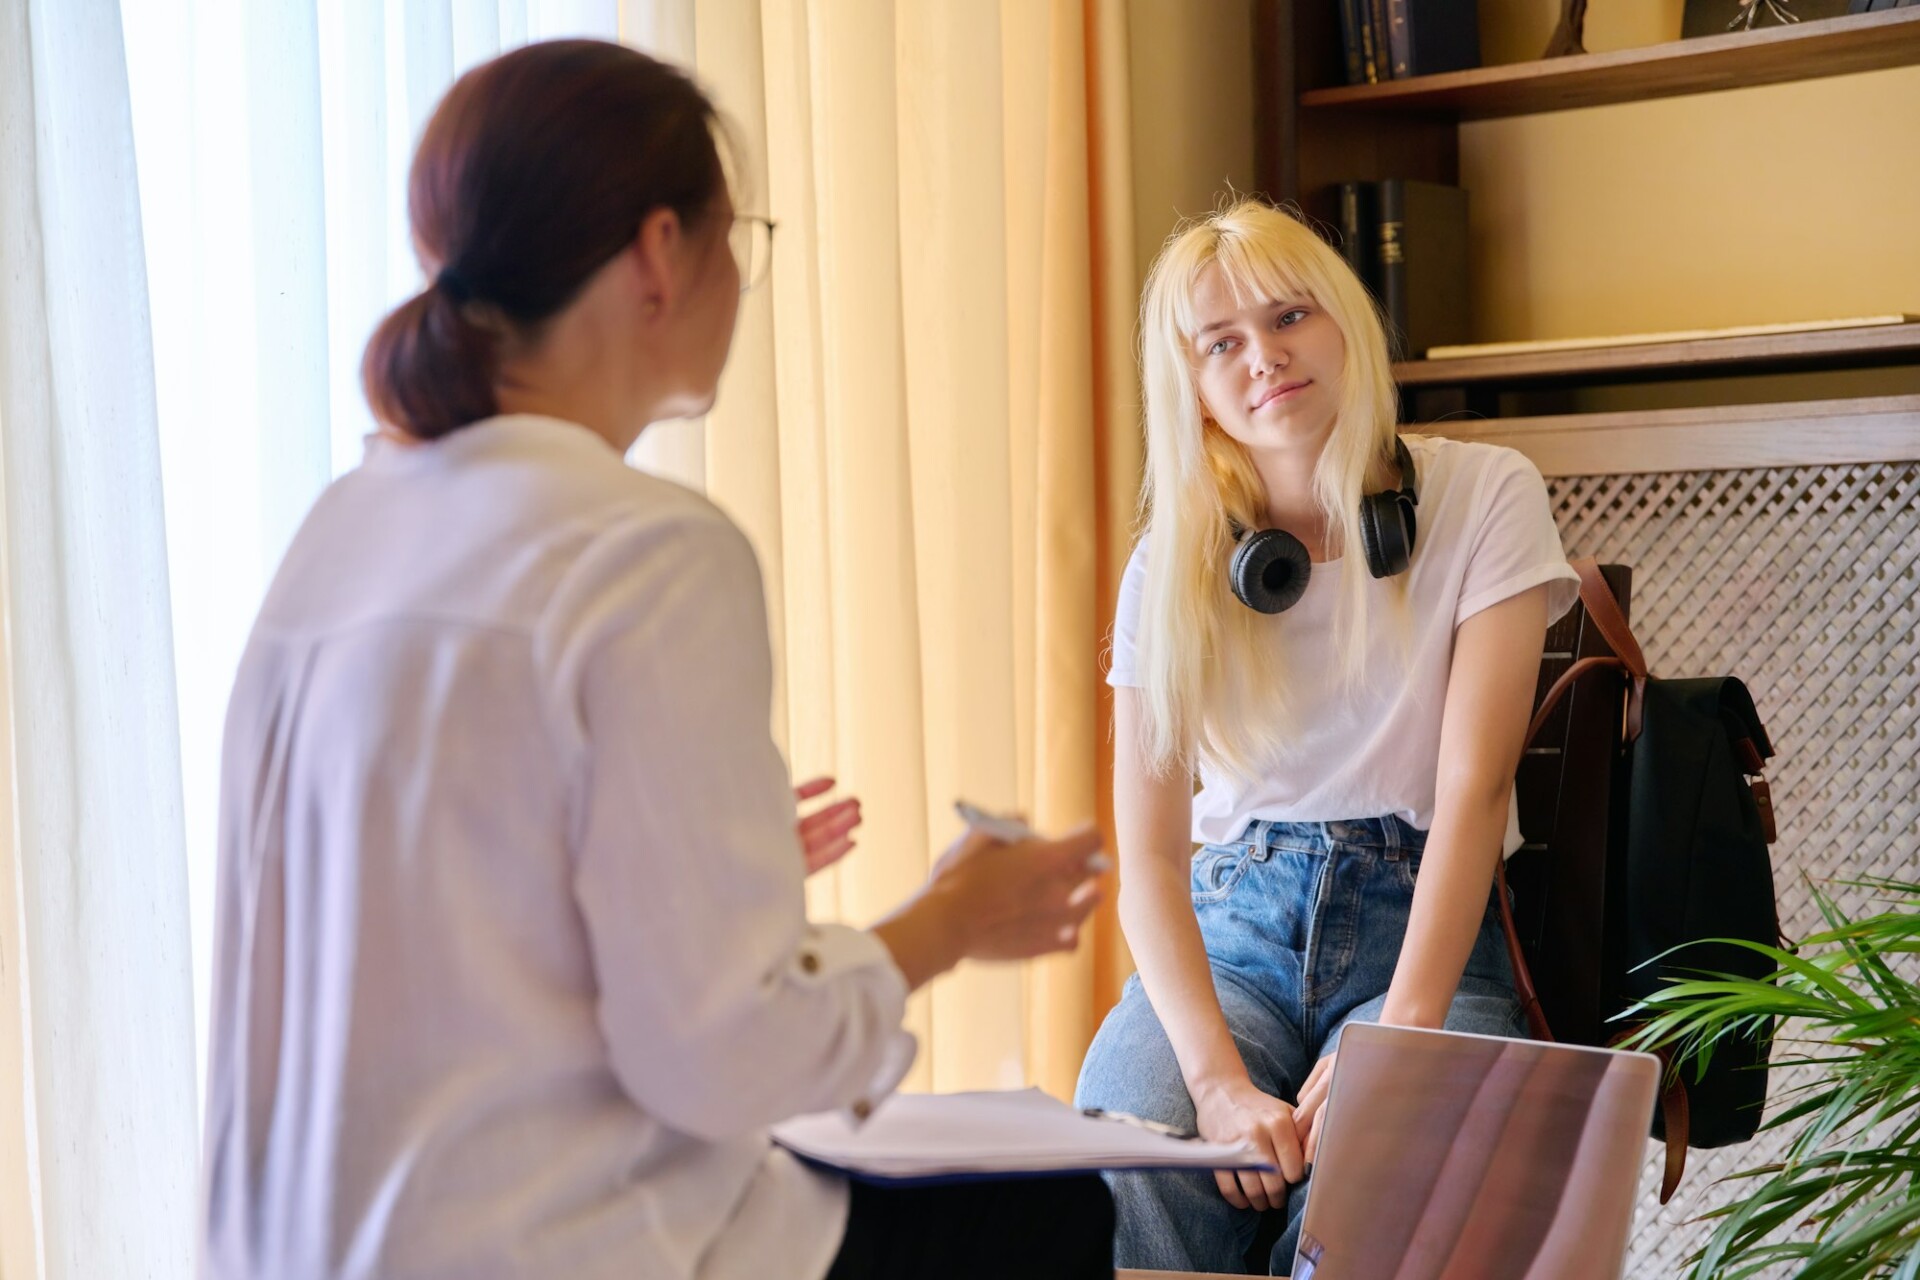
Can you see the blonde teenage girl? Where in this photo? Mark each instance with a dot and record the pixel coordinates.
(1336, 633)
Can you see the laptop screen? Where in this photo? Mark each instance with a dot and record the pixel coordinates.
(1448, 1156)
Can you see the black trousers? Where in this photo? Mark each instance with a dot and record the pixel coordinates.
(1043, 1228)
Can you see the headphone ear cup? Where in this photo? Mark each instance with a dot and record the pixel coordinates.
(1370, 534)
(1269, 570)
(1386, 533)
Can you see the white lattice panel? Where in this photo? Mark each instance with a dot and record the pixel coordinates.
(1801, 581)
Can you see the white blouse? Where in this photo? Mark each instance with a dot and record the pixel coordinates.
(513, 969)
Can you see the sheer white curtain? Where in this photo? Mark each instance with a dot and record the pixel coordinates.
(100, 1101)
(202, 217)
(274, 140)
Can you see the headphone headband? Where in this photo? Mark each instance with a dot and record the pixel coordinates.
(1403, 459)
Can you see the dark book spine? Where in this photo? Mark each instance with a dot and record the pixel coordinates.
(1399, 39)
(1350, 42)
(1382, 56)
(1359, 225)
(1424, 280)
(1435, 36)
(1393, 263)
(1370, 63)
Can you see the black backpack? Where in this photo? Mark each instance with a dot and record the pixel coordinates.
(1654, 824)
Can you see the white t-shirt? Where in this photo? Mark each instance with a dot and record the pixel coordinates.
(513, 965)
(1486, 533)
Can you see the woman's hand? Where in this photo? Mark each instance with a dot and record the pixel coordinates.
(826, 835)
(989, 899)
(1238, 1111)
(1015, 900)
(1311, 1109)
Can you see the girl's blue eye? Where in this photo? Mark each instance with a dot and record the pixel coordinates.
(1286, 317)
(1217, 347)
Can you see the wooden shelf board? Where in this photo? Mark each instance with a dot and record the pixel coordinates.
(1878, 344)
(1771, 55)
(1864, 429)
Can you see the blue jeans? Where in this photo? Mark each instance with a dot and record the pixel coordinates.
(1302, 923)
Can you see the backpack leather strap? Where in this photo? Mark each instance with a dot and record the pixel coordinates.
(1676, 1119)
(1676, 1114)
(1560, 688)
(1604, 610)
(1522, 976)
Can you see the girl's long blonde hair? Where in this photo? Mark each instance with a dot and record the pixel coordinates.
(1215, 671)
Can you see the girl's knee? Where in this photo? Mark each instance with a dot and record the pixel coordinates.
(1134, 1077)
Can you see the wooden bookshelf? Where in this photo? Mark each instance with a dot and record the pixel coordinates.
(1876, 346)
(1315, 131)
(1860, 429)
(1706, 64)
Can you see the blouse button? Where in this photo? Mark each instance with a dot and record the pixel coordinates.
(861, 1109)
(809, 962)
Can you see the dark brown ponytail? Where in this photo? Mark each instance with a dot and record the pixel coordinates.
(534, 170)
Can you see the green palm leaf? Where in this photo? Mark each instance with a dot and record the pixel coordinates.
(1844, 1202)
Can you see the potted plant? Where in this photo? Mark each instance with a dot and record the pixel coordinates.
(1844, 1203)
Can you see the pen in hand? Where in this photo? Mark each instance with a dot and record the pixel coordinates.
(999, 892)
(1013, 830)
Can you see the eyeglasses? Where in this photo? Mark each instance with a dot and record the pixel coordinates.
(751, 239)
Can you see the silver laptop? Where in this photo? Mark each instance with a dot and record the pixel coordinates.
(1463, 1156)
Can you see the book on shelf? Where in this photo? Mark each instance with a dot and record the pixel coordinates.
(1359, 222)
(1395, 39)
(1382, 58)
(1360, 13)
(1407, 242)
(1467, 351)
(1353, 46)
(1423, 275)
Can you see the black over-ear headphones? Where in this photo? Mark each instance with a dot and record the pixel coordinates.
(1270, 567)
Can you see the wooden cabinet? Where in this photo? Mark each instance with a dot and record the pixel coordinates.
(1315, 131)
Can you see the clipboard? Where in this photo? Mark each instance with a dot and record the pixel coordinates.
(926, 1138)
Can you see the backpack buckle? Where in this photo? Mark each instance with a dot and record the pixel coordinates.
(1763, 801)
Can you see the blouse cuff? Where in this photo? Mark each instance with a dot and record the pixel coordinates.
(830, 950)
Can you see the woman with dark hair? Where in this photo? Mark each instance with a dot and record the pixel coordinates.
(513, 969)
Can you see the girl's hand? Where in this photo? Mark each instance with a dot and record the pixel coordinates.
(1312, 1105)
(826, 835)
(1239, 1111)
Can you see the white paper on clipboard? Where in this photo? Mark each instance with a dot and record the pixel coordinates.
(933, 1136)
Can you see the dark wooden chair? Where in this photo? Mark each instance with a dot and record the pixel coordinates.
(1564, 787)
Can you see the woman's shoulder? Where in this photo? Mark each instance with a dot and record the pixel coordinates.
(574, 478)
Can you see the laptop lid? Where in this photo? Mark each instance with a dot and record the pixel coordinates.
(1449, 1156)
